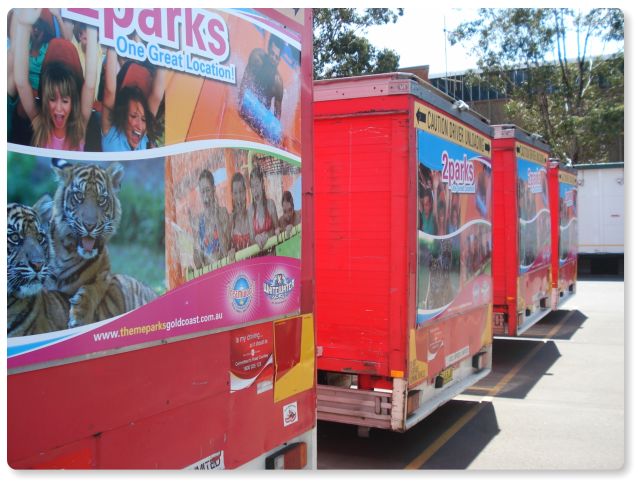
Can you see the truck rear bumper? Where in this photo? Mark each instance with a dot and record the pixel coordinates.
(398, 409)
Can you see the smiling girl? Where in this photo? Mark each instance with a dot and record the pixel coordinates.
(60, 117)
(128, 120)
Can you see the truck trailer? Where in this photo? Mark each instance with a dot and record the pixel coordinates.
(521, 230)
(173, 327)
(403, 235)
(601, 193)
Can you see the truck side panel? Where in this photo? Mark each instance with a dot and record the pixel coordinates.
(191, 344)
(160, 407)
(563, 206)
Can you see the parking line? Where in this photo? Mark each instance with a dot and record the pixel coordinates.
(425, 456)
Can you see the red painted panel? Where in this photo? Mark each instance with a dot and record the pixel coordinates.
(287, 342)
(361, 234)
(242, 427)
(160, 407)
(258, 424)
(504, 229)
(170, 440)
(77, 455)
(93, 396)
(365, 106)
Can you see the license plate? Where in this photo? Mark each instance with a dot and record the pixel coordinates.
(447, 375)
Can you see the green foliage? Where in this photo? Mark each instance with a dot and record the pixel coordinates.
(573, 101)
(340, 49)
(140, 262)
(143, 218)
(26, 180)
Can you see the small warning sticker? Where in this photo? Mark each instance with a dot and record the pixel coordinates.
(290, 414)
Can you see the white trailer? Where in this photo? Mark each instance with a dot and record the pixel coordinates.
(601, 202)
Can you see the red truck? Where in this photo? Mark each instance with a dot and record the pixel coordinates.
(403, 236)
(521, 230)
(183, 337)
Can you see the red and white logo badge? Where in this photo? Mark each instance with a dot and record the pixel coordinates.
(290, 414)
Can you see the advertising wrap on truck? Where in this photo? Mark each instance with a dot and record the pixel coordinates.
(189, 223)
(454, 242)
(534, 209)
(568, 221)
(562, 182)
(155, 164)
(534, 224)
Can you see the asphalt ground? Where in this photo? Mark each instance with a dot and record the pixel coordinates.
(554, 401)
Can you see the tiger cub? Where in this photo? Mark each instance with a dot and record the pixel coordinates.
(86, 213)
(31, 308)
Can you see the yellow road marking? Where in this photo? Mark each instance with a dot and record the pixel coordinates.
(484, 389)
(433, 448)
(442, 440)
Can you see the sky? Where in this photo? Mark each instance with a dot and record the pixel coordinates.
(418, 37)
(426, 44)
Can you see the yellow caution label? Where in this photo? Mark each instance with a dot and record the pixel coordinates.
(533, 155)
(448, 128)
(567, 178)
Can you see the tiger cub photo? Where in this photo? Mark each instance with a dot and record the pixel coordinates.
(86, 214)
(58, 267)
(31, 308)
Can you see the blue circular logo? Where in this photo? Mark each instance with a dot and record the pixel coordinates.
(241, 293)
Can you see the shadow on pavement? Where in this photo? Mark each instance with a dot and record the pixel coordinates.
(339, 447)
(533, 360)
(600, 278)
(461, 450)
(560, 324)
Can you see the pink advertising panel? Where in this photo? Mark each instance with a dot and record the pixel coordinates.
(157, 193)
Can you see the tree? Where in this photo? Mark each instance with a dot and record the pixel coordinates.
(573, 100)
(340, 50)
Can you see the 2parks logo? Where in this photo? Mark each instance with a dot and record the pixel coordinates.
(458, 174)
